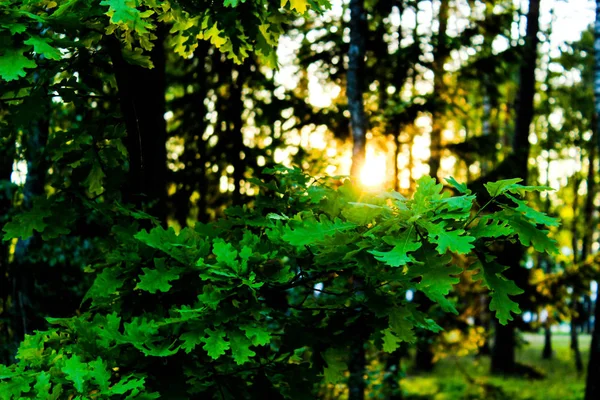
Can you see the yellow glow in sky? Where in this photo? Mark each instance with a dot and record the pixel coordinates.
(374, 172)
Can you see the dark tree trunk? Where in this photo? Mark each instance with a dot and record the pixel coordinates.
(575, 338)
(424, 353)
(503, 353)
(547, 351)
(236, 108)
(357, 367)
(25, 315)
(355, 84)
(439, 59)
(526, 93)
(7, 343)
(142, 101)
(592, 388)
(393, 375)
(358, 128)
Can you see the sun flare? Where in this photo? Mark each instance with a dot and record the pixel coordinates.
(373, 173)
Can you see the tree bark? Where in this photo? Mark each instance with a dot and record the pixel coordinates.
(357, 367)
(503, 353)
(358, 128)
(8, 345)
(521, 145)
(355, 84)
(142, 101)
(236, 136)
(592, 388)
(440, 56)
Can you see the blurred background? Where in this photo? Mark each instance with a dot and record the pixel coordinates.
(477, 90)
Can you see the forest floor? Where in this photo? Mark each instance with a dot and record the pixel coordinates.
(468, 377)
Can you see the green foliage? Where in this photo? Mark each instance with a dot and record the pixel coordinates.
(211, 311)
(236, 28)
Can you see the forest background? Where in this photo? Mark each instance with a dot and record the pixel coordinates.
(121, 115)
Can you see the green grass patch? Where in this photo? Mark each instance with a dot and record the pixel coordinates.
(469, 378)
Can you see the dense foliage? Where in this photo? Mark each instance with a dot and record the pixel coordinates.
(259, 304)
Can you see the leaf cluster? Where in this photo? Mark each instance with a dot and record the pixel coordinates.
(262, 301)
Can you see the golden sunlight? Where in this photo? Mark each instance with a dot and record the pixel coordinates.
(374, 172)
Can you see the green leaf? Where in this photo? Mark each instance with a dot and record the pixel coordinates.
(490, 226)
(42, 46)
(76, 371)
(106, 284)
(14, 387)
(127, 383)
(437, 279)
(240, 347)
(259, 335)
(125, 12)
(99, 373)
(461, 187)
(310, 231)
(390, 342)
(13, 64)
(401, 325)
(94, 179)
(529, 234)
(23, 224)
(534, 215)
(398, 255)
(215, 344)
(226, 254)
(501, 289)
(158, 279)
(452, 240)
(495, 189)
(426, 194)
(185, 247)
(336, 366)
(191, 340)
(42, 386)
(211, 297)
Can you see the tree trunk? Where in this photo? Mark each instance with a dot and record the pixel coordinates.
(440, 56)
(575, 337)
(503, 354)
(547, 351)
(355, 84)
(142, 101)
(25, 315)
(236, 108)
(526, 93)
(357, 367)
(358, 127)
(592, 388)
(392, 377)
(7, 343)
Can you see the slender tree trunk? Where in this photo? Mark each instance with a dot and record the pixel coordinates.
(575, 336)
(26, 316)
(7, 343)
(503, 353)
(592, 388)
(358, 127)
(357, 367)
(547, 351)
(236, 109)
(393, 375)
(142, 101)
(355, 84)
(439, 60)
(521, 145)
